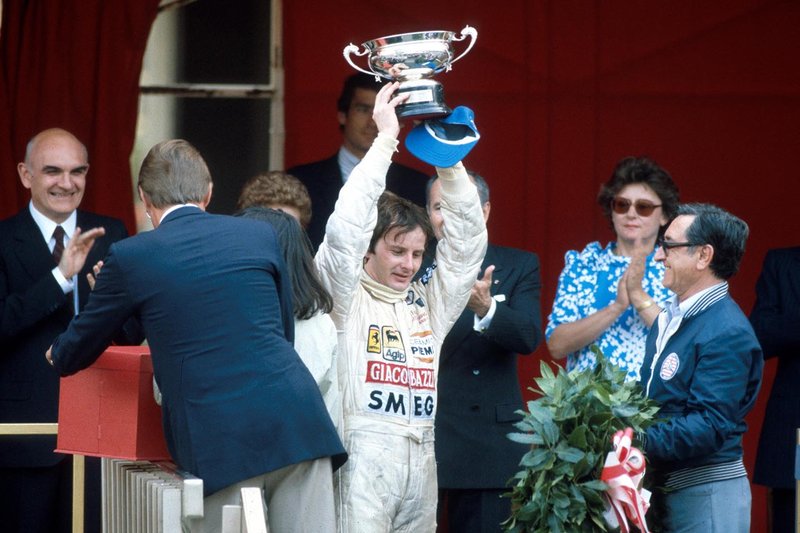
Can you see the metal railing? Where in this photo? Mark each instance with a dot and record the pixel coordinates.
(248, 517)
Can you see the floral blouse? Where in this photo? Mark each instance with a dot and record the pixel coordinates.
(587, 284)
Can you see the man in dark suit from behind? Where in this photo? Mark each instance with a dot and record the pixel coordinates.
(776, 322)
(324, 178)
(239, 407)
(478, 383)
(37, 300)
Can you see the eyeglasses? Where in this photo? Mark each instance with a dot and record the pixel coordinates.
(667, 246)
(644, 208)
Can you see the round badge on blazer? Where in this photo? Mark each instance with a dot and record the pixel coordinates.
(670, 367)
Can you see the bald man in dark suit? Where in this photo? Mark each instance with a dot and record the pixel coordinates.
(38, 297)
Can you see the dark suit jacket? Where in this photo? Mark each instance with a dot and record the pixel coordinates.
(478, 384)
(214, 299)
(323, 179)
(776, 321)
(34, 311)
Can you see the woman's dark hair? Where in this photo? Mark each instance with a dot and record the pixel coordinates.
(308, 295)
(647, 172)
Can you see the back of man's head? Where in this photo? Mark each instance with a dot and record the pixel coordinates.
(404, 215)
(726, 233)
(173, 173)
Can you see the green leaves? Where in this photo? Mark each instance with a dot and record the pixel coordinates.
(569, 428)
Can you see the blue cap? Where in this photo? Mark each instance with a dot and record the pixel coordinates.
(443, 142)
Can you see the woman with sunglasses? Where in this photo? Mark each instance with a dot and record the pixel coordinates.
(609, 296)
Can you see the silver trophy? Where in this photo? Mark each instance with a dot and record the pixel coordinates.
(412, 59)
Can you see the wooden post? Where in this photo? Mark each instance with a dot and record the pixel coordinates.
(78, 466)
(78, 491)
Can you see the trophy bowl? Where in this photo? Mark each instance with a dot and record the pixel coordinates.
(413, 59)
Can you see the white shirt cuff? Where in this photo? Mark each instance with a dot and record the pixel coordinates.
(482, 324)
(66, 285)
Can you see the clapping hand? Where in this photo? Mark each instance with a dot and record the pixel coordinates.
(92, 278)
(480, 299)
(74, 256)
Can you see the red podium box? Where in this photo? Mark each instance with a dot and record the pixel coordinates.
(108, 409)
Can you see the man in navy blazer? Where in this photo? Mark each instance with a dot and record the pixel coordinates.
(479, 388)
(776, 321)
(37, 301)
(323, 179)
(239, 407)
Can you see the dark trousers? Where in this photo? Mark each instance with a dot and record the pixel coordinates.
(782, 509)
(39, 500)
(472, 510)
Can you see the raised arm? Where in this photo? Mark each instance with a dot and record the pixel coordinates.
(349, 229)
(460, 251)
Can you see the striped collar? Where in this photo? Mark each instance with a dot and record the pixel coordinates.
(700, 301)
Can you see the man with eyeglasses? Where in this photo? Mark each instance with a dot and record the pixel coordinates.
(703, 366)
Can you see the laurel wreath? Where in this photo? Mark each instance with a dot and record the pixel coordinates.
(569, 428)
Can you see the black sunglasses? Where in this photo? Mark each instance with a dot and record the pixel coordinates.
(644, 208)
(667, 245)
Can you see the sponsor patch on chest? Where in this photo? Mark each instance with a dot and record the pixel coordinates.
(669, 367)
(388, 341)
(400, 375)
(401, 404)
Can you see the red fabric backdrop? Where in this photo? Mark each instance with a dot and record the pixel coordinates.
(563, 89)
(76, 65)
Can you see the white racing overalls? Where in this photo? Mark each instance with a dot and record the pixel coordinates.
(389, 344)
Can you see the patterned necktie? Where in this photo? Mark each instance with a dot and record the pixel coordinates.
(58, 249)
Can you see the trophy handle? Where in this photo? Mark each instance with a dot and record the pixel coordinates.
(467, 31)
(353, 49)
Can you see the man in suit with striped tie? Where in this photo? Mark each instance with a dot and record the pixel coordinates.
(46, 251)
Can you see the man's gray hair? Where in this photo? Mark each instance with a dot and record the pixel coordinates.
(726, 233)
(173, 173)
(477, 179)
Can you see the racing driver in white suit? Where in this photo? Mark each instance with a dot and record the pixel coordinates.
(391, 330)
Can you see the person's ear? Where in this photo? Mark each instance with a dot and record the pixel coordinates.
(705, 257)
(207, 198)
(25, 175)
